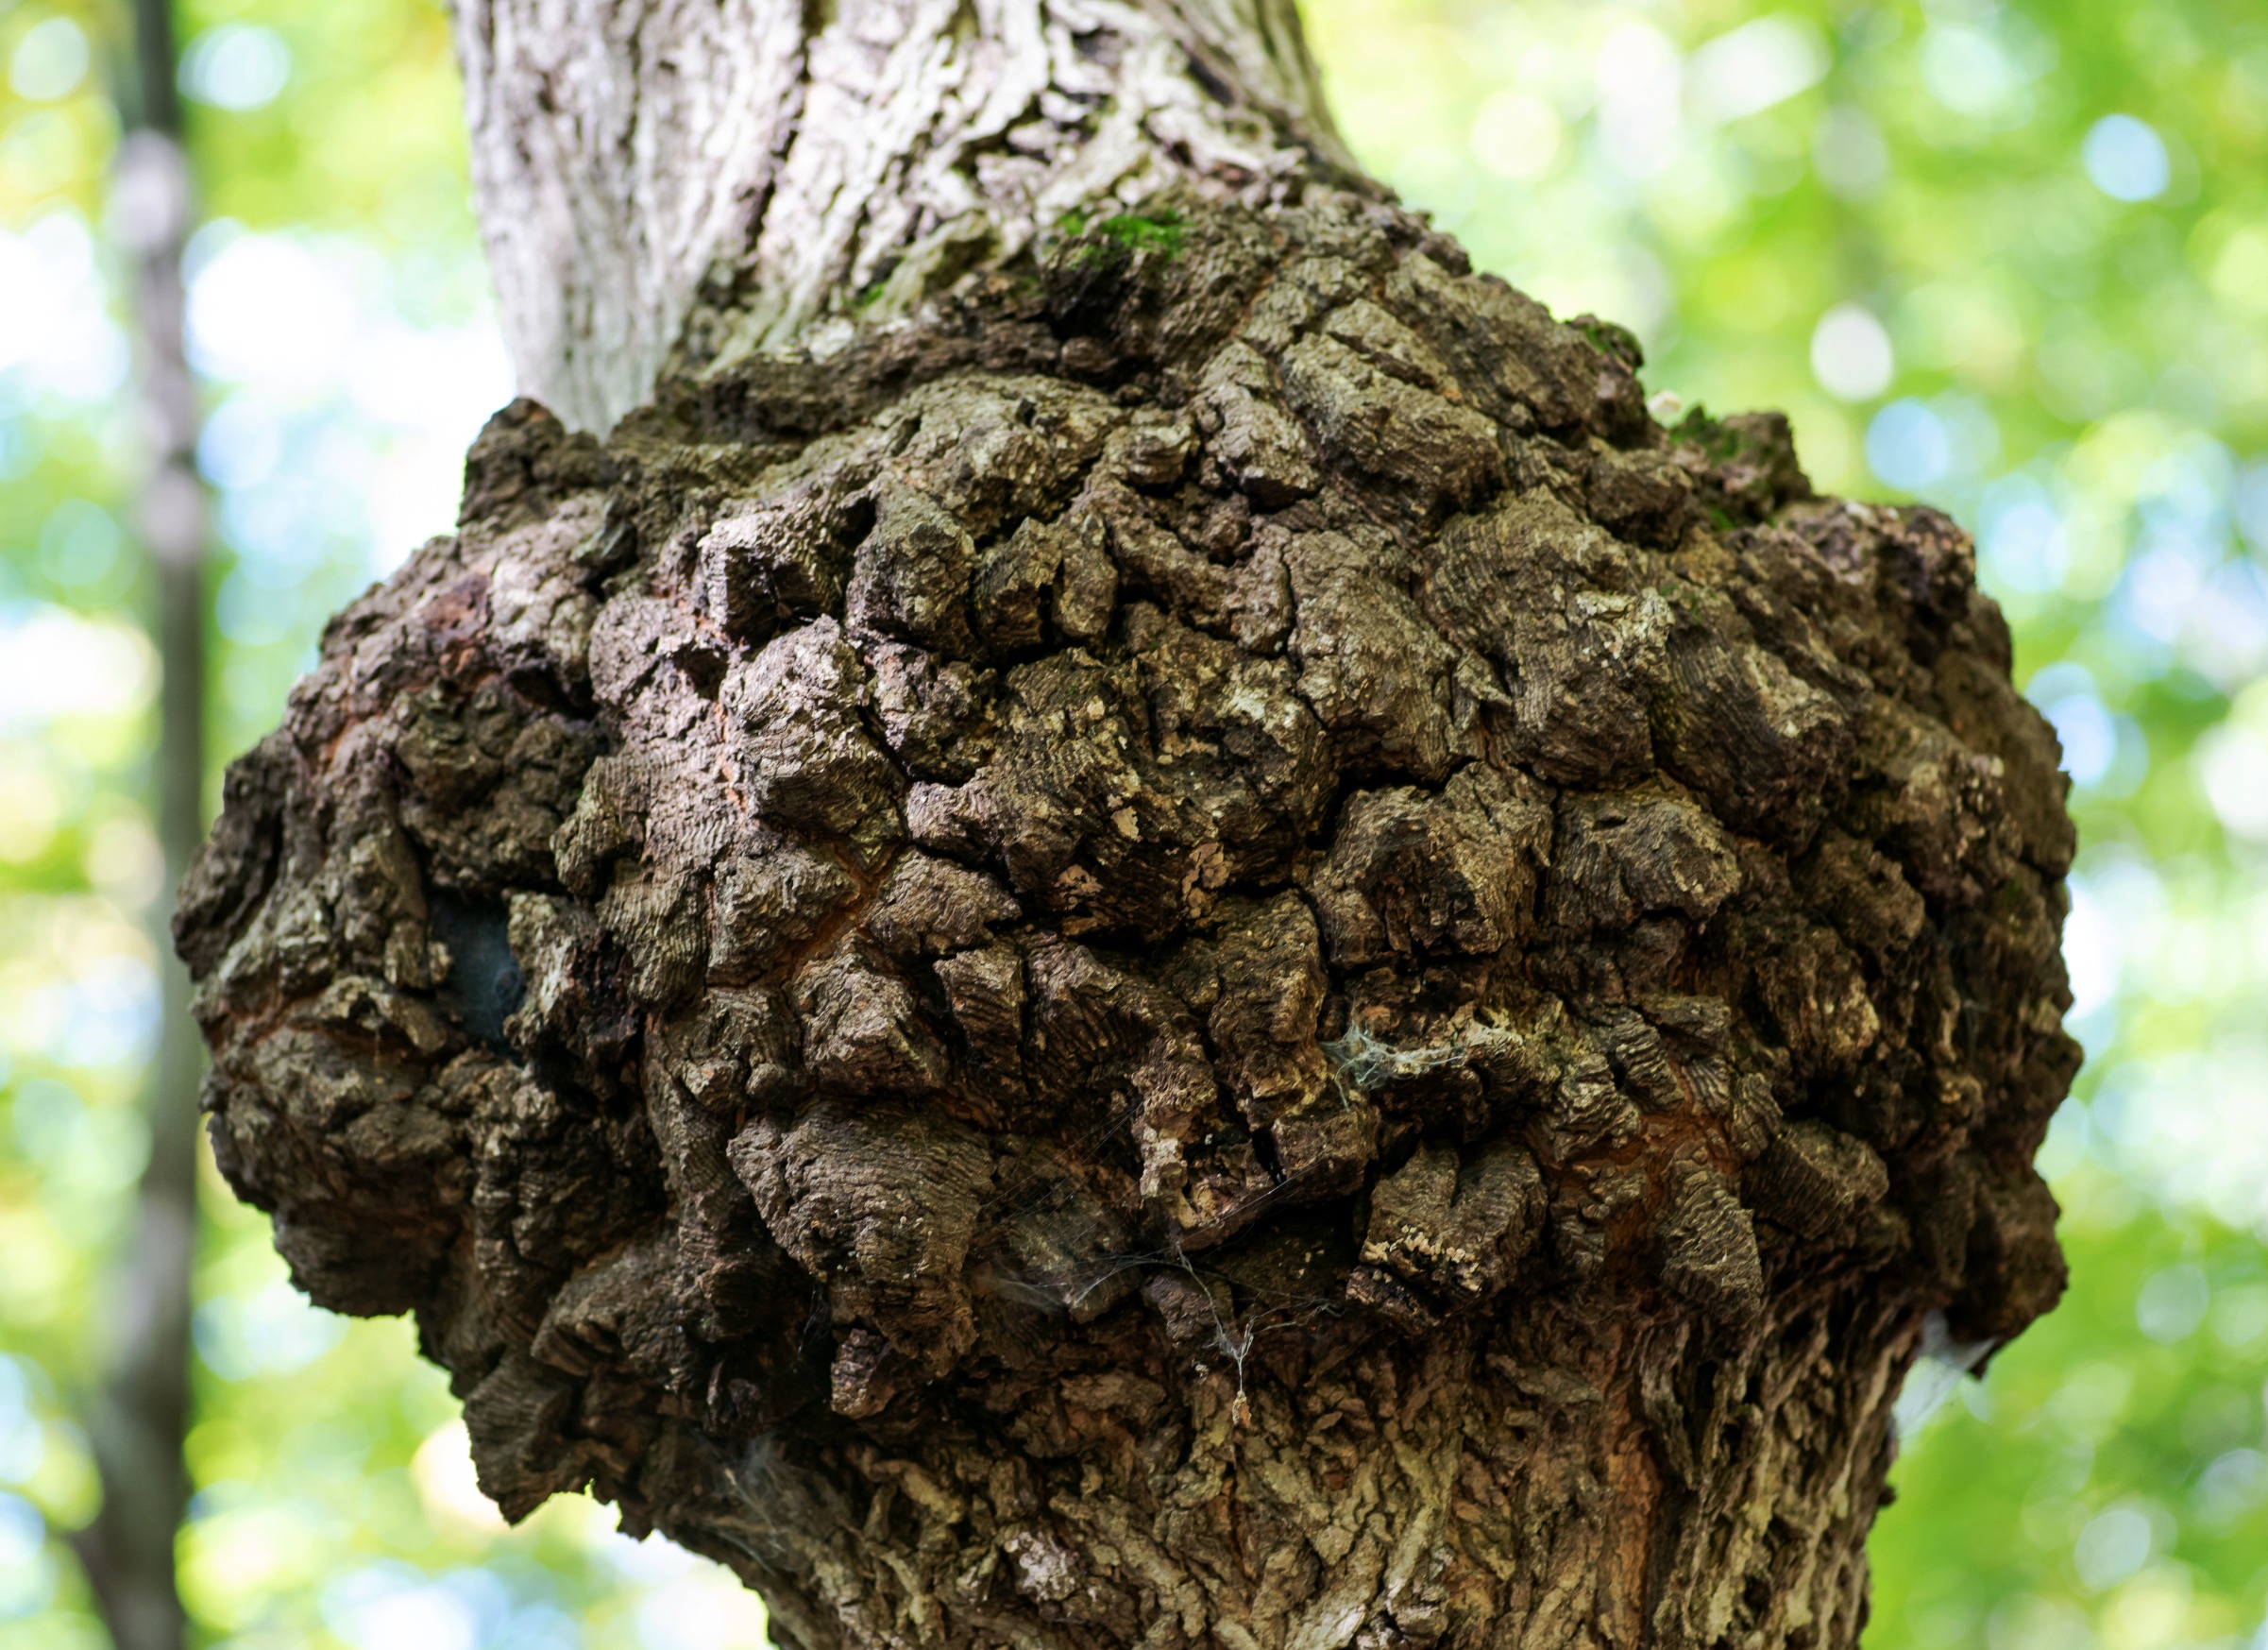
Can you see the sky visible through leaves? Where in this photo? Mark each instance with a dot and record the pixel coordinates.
(2009, 258)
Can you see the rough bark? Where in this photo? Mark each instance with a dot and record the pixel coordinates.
(703, 178)
(140, 1417)
(1201, 950)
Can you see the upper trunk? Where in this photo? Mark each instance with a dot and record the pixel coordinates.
(778, 163)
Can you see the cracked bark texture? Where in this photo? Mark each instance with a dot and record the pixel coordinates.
(693, 181)
(1203, 951)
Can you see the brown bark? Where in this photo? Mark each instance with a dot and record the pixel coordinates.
(1204, 950)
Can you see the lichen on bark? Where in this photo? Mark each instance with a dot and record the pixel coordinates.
(1205, 950)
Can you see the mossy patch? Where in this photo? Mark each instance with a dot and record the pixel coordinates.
(1615, 342)
(1163, 232)
(1720, 442)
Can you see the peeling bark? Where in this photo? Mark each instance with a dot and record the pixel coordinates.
(1202, 950)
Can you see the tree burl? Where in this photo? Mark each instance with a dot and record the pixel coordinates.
(1203, 951)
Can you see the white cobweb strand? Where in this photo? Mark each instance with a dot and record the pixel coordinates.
(625, 150)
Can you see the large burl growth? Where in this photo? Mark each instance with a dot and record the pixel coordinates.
(1206, 951)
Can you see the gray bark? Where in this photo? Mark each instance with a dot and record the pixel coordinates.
(1192, 945)
(758, 167)
(141, 1419)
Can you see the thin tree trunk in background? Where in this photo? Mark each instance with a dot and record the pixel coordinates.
(143, 1415)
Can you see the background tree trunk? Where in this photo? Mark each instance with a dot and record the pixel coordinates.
(142, 1417)
(1140, 925)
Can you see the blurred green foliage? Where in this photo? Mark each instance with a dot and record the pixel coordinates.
(2106, 1483)
(2009, 257)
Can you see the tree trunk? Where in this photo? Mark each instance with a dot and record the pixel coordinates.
(1140, 924)
(140, 1419)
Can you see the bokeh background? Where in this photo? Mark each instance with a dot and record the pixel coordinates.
(2009, 257)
